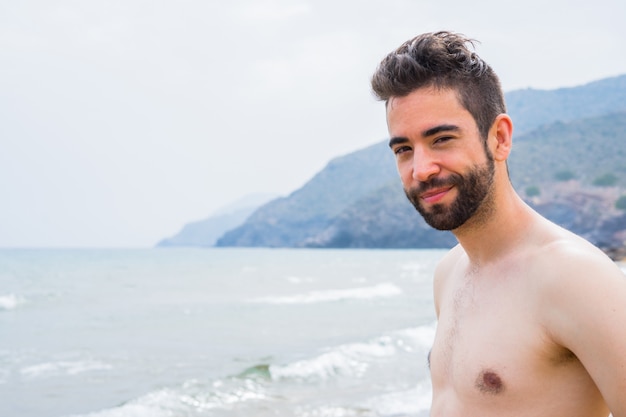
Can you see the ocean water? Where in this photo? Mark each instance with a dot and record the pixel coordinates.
(215, 332)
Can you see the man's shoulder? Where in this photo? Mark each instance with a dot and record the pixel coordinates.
(571, 253)
(444, 271)
(570, 265)
(449, 261)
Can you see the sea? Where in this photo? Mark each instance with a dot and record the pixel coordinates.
(215, 332)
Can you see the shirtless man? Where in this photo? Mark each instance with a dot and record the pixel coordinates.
(531, 318)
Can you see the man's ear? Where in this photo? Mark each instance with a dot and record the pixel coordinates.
(501, 137)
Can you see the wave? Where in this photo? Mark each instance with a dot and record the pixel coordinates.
(307, 387)
(361, 293)
(403, 403)
(247, 400)
(10, 301)
(348, 360)
(421, 337)
(49, 369)
(414, 402)
(300, 280)
(192, 398)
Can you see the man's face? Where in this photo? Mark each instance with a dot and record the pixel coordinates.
(446, 170)
(472, 187)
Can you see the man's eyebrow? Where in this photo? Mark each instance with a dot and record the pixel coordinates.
(426, 133)
(441, 128)
(397, 140)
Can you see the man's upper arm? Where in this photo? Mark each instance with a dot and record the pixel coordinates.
(586, 313)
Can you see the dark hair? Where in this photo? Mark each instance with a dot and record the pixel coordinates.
(442, 60)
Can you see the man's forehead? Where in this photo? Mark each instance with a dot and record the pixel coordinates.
(425, 101)
(389, 104)
(393, 101)
(427, 111)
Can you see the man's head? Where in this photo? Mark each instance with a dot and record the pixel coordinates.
(445, 113)
(442, 60)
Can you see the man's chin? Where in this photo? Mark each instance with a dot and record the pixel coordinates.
(434, 216)
(439, 217)
(441, 225)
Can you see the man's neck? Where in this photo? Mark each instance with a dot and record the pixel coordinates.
(496, 229)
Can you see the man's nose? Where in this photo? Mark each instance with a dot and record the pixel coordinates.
(425, 165)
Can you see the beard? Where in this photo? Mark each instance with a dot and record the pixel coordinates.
(473, 188)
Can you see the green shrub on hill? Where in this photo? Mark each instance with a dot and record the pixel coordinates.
(606, 180)
(532, 191)
(564, 175)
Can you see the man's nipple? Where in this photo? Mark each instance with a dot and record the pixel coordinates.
(489, 382)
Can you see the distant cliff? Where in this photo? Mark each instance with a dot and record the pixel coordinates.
(205, 232)
(295, 220)
(569, 162)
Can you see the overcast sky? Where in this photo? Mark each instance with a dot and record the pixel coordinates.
(122, 120)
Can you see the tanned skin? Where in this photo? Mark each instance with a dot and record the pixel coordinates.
(531, 318)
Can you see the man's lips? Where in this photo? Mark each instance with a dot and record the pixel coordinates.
(434, 195)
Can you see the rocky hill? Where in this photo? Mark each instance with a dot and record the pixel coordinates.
(205, 232)
(532, 108)
(571, 168)
(294, 220)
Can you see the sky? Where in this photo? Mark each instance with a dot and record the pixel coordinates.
(123, 120)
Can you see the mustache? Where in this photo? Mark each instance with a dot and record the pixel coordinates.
(436, 182)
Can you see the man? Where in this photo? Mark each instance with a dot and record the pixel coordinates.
(531, 318)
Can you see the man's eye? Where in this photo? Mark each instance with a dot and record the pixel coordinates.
(401, 149)
(443, 139)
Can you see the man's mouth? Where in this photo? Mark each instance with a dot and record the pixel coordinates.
(435, 195)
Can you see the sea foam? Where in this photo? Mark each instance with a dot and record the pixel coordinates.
(354, 359)
(403, 403)
(190, 399)
(49, 369)
(360, 293)
(10, 301)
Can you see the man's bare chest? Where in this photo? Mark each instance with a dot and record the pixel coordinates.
(490, 343)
